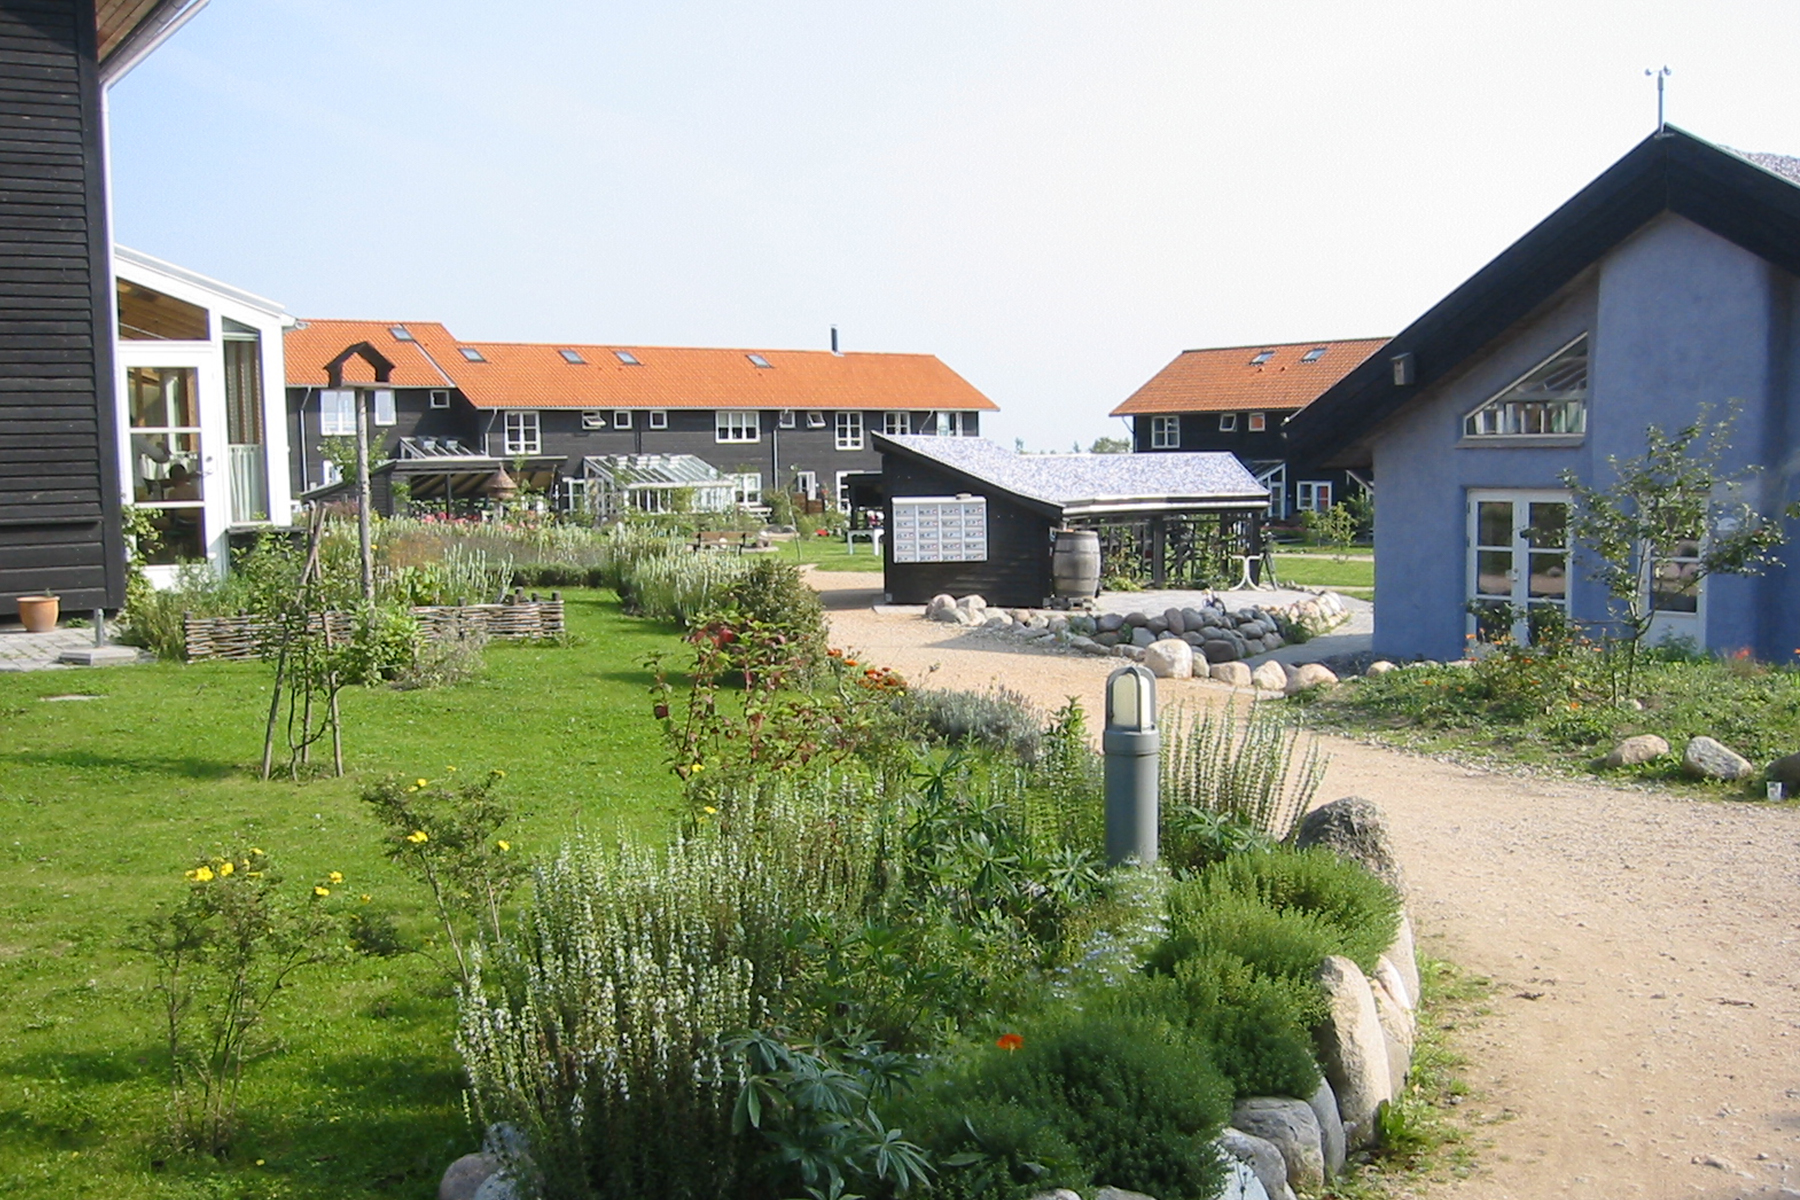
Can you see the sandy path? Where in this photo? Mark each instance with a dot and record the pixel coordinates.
(1645, 1033)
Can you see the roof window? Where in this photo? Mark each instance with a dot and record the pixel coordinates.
(470, 353)
(571, 356)
(1262, 358)
(627, 358)
(757, 360)
(1313, 355)
(400, 333)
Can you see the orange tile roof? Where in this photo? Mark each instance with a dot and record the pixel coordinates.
(1225, 380)
(309, 345)
(536, 375)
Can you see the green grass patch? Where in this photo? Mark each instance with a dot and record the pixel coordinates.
(1321, 568)
(107, 801)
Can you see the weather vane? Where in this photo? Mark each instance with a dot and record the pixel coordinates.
(1662, 127)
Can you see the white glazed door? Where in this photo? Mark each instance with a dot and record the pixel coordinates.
(1518, 565)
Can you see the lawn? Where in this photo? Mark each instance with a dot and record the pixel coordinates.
(1351, 571)
(107, 800)
(831, 554)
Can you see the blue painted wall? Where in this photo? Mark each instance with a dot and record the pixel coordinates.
(1676, 317)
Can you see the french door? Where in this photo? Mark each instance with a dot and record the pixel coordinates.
(1518, 568)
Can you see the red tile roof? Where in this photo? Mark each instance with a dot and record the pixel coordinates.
(1227, 380)
(309, 345)
(536, 375)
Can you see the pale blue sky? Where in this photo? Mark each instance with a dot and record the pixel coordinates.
(1055, 198)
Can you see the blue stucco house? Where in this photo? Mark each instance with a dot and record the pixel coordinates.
(1670, 282)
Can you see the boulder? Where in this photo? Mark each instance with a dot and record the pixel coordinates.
(498, 1186)
(1141, 636)
(1170, 658)
(949, 615)
(1273, 641)
(1058, 624)
(1192, 619)
(1193, 639)
(972, 603)
(1398, 1031)
(1380, 666)
(1109, 639)
(1355, 828)
(939, 603)
(1261, 1156)
(465, 1175)
(1323, 1102)
(1174, 621)
(1240, 1183)
(1219, 650)
(1635, 750)
(1388, 975)
(1353, 1051)
(1404, 958)
(1786, 772)
(1270, 677)
(1137, 620)
(1113, 1193)
(1292, 1128)
(1237, 674)
(997, 620)
(1062, 1194)
(1157, 625)
(1310, 675)
(1109, 622)
(1705, 758)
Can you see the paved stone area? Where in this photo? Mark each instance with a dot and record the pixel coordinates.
(21, 651)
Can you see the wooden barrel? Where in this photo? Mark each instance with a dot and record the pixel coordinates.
(1075, 564)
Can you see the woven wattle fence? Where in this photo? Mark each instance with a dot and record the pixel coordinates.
(241, 636)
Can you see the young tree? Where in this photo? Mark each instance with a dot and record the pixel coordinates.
(1663, 504)
(1110, 445)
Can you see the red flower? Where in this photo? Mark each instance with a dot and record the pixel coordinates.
(1010, 1042)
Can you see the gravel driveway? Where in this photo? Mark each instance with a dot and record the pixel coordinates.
(1644, 1039)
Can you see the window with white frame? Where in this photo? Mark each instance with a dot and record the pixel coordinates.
(786, 420)
(1165, 433)
(896, 423)
(849, 431)
(337, 413)
(440, 398)
(574, 493)
(1227, 422)
(522, 435)
(1258, 422)
(746, 488)
(1549, 400)
(383, 412)
(659, 418)
(736, 425)
(950, 424)
(806, 483)
(593, 420)
(1312, 495)
(815, 420)
(621, 418)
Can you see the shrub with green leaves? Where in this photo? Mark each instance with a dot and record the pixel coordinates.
(1253, 771)
(1000, 719)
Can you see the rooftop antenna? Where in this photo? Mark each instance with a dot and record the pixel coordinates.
(1659, 74)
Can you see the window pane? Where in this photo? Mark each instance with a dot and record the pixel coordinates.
(161, 397)
(165, 467)
(384, 407)
(147, 315)
(1549, 526)
(1494, 523)
(1492, 571)
(1674, 588)
(1493, 620)
(1549, 576)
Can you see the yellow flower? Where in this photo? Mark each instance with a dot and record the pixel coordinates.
(225, 868)
(417, 836)
(365, 897)
(449, 770)
(499, 774)
(503, 844)
(697, 767)
(336, 877)
(201, 874)
(321, 891)
(422, 783)
(710, 810)
(255, 852)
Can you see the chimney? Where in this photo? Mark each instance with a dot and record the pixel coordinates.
(834, 348)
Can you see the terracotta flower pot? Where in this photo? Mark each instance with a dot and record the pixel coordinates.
(38, 613)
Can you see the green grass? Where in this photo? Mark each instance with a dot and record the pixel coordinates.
(1320, 568)
(830, 554)
(106, 801)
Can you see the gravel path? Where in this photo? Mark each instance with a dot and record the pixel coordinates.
(1644, 1039)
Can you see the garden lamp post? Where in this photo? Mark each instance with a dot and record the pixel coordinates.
(1131, 743)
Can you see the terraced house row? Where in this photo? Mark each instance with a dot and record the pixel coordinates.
(464, 421)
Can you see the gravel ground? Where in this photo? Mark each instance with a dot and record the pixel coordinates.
(1645, 1016)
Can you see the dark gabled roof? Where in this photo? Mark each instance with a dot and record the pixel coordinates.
(1750, 199)
(1071, 485)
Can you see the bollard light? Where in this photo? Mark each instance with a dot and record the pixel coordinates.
(1132, 745)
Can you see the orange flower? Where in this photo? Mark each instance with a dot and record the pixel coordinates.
(1010, 1042)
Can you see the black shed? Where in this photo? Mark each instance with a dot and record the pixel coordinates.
(967, 516)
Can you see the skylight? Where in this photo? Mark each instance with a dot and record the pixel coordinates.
(470, 353)
(757, 360)
(400, 333)
(570, 356)
(1313, 355)
(627, 357)
(1262, 358)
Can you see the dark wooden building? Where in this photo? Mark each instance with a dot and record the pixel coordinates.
(967, 516)
(59, 439)
(1238, 399)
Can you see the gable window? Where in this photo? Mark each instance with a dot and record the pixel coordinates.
(786, 420)
(1165, 433)
(145, 314)
(440, 398)
(621, 418)
(896, 423)
(1258, 422)
(1227, 422)
(1547, 401)
(659, 418)
(337, 413)
(815, 420)
(736, 425)
(522, 435)
(849, 431)
(383, 412)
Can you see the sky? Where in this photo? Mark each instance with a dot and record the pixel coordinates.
(1054, 198)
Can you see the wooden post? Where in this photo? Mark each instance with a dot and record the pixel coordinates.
(364, 537)
(1159, 542)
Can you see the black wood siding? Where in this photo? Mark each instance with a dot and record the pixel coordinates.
(1017, 571)
(59, 487)
(1200, 431)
